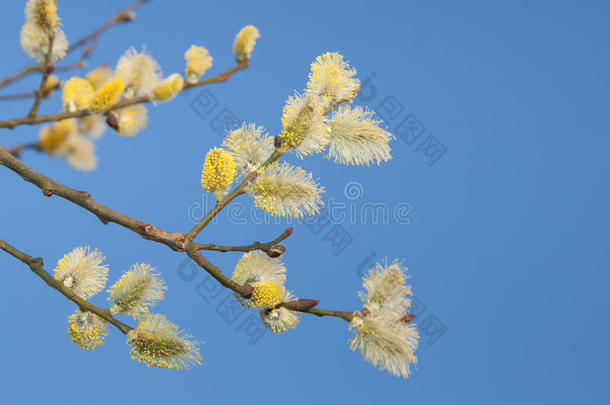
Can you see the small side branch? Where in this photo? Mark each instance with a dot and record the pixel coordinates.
(36, 265)
(32, 120)
(272, 248)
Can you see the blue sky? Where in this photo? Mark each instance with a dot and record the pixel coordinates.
(502, 228)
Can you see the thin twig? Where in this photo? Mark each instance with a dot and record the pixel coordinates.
(219, 78)
(272, 248)
(36, 265)
(220, 204)
(16, 150)
(24, 72)
(122, 16)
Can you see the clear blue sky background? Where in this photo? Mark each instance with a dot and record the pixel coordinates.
(507, 240)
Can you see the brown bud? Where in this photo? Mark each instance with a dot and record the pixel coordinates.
(125, 16)
(277, 141)
(407, 318)
(276, 251)
(112, 120)
(300, 304)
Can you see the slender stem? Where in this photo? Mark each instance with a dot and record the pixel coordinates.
(36, 265)
(18, 96)
(122, 16)
(272, 248)
(220, 204)
(24, 72)
(219, 78)
(16, 150)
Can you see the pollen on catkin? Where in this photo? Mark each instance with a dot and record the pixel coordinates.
(79, 151)
(249, 147)
(198, 60)
(82, 271)
(356, 137)
(139, 71)
(159, 343)
(385, 288)
(285, 190)
(244, 42)
(131, 120)
(107, 96)
(93, 126)
(77, 94)
(35, 42)
(266, 294)
(87, 330)
(168, 88)
(332, 79)
(99, 76)
(53, 137)
(280, 319)
(50, 86)
(137, 290)
(43, 13)
(218, 171)
(385, 342)
(304, 125)
(42, 22)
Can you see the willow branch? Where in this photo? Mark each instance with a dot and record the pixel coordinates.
(83, 199)
(272, 248)
(36, 265)
(18, 96)
(122, 16)
(219, 78)
(29, 94)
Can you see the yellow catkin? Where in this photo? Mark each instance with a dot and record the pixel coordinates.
(218, 171)
(50, 85)
(198, 60)
(168, 88)
(245, 41)
(99, 76)
(87, 330)
(131, 120)
(266, 294)
(51, 138)
(43, 13)
(77, 94)
(105, 97)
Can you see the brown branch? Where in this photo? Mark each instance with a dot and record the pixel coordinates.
(273, 249)
(17, 96)
(29, 94)
(36, 265)
(219, 78)
(83, 199)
